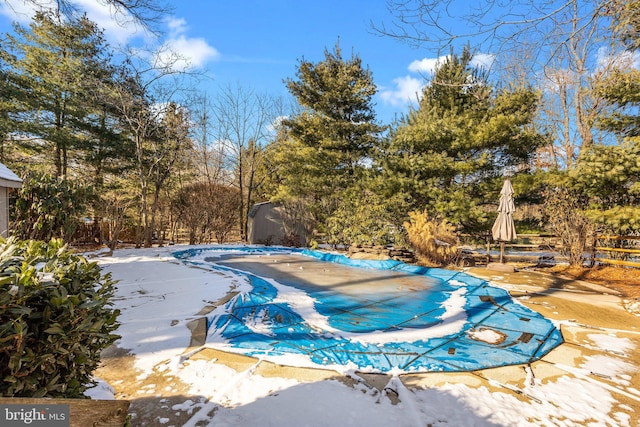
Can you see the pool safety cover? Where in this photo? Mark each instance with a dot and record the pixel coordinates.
(456, 322)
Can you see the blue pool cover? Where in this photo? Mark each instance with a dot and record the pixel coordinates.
(419, 331)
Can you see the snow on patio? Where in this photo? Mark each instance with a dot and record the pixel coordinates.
(159, 296)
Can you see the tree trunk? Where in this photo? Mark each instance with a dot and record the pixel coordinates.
(243, 230)
(154, 212)
(245, 223)
(144, 208)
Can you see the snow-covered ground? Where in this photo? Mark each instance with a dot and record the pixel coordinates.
(158, 296)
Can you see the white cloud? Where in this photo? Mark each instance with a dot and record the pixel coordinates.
(177, 26)
(483, 60)
(606, 60)
(426, 65)
(407, 91)
(183, 53)
(178, 50)
(118, 27)
(22, 12)
(273, 127)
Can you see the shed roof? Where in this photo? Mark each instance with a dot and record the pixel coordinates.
(256, 207)
(8, 178)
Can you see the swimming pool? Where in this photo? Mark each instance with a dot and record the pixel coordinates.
(313, 308)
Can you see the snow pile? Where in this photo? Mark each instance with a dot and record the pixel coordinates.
(632, 305)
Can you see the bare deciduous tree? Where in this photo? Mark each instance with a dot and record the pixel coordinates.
(156, 124)
(244, 125)
(490, 24)
(208, 154)
(206, 210)
(146, 13)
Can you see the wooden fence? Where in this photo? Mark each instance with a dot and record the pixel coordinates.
(624, 248)
(609, 250)
(99, 232)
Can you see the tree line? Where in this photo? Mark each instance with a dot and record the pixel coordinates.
(102, 134)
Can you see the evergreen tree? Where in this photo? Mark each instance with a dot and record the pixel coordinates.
(446, 156)
(104, 148)
(626, 21)
(329, 142)
(620, 87)
(610, 174)
(53, 72)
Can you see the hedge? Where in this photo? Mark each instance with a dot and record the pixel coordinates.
(56, 317)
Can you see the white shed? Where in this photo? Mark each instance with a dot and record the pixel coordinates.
(8, 180)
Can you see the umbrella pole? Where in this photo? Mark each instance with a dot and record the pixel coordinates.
(501, 252)
(488, 250)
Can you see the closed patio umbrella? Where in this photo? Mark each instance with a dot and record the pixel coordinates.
(504, 230)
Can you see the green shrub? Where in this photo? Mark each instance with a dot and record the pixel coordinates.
(55, 319)
(48, 207)
(363, 218)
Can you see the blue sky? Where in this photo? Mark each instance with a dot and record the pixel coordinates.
(257, 44)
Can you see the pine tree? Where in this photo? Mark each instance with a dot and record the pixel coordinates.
(329, 142)
(447, 155)
(53, 72)
(610, 174)
(620, 87)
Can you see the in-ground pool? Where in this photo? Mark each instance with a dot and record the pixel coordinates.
(318, 308)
